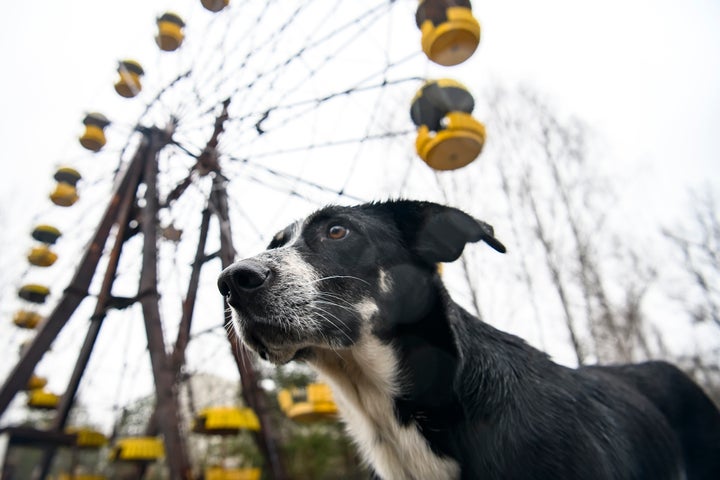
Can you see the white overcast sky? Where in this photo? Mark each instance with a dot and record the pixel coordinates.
(645, 74)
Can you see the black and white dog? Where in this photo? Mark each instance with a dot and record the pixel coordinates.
(430, 392)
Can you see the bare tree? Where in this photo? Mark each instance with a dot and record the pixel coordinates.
(699, 244)
(574, 269)
(697, 240)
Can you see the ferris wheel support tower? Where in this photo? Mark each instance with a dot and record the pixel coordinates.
(142, 169)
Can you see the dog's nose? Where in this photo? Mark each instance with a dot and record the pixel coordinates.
(243, 277)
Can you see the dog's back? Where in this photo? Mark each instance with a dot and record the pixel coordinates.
(529, 418)
(687, 409)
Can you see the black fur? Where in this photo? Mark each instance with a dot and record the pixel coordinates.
(484, 398)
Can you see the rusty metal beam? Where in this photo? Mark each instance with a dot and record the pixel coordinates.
(183, 336)
(168, 416)
(266, 439)
(188, 307)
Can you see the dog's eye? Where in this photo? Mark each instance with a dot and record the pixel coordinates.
(337, 232)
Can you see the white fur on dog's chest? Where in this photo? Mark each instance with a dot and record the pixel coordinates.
(363, 380)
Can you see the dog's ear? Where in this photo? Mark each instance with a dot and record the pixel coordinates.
(438, 233)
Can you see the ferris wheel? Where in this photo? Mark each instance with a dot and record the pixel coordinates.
(243, 116)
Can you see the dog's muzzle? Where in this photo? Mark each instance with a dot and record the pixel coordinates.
(243, 278)
(264, 316)
(271, 297)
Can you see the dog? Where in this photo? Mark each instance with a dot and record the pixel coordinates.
(428, 391)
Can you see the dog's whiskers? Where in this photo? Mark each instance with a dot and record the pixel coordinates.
(342, 327)
(332, 304)
(334, 297)
(350, 308)
(333, 277)
(330, 346)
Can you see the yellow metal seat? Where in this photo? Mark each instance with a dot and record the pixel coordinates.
(455, 146)
(309, 404)
(42, 399)
(42, 256)
(27, 319)
(215, 5)
(137, 449)
(46, 234)
(64, 195)
(450, 33)
(88, 438)
(35, 382)
(219, 473)
(34, 293)
(93, 138)
(170, 32)
(129, 85)
(448, 137)
(225, 421)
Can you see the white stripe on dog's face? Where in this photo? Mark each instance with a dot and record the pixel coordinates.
(367, 309)
(384, 282)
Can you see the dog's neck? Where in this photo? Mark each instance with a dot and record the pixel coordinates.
(395, 389)
(429, 361)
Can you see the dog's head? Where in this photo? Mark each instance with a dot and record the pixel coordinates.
(343, 272)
